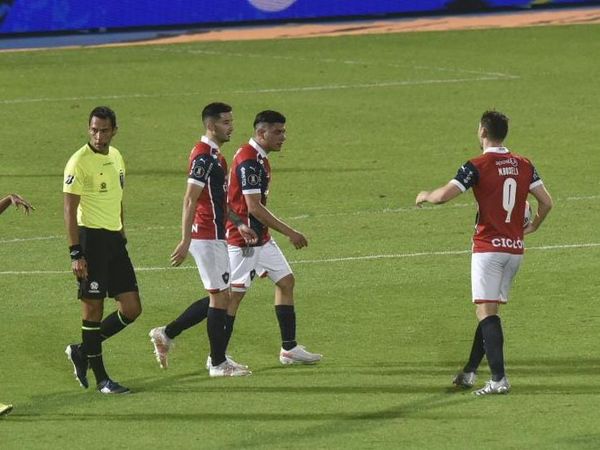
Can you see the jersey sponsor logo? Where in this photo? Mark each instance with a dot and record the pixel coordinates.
(122, 178)
(516, 244)
(253, 179)
(225, 277)
(103, 187)
(504, 171)
(508, 161)
(70, 179)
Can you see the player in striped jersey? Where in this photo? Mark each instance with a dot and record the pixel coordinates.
(203, 235)
(501, 182)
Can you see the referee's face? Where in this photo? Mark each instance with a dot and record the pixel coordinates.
(101, 133)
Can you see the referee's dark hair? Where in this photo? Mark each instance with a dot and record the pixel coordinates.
(214, 110)
(269, 117)
(104, 112)
(496, 124)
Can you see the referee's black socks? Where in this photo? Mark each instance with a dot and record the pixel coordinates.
(493, 342)
(286, 316)
(92, 348)
(113, 323)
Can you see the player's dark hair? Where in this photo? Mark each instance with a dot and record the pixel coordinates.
(496, 125)
(214, 110)
(104, 112)
(269, 117)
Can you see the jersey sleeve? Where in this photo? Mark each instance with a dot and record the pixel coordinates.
(200, 171)
(74, 177)
(535, 179)
(251, 177)
(466, 177)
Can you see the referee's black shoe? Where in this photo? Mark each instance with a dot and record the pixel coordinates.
(80, 364)
(109, 386)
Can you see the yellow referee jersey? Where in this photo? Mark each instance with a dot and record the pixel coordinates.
(98, 179)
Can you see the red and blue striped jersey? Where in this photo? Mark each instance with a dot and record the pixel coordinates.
(250, 174)
(208, 169)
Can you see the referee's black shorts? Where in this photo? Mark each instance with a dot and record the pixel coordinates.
(109, 268)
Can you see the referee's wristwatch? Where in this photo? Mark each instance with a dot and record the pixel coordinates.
(76, 252)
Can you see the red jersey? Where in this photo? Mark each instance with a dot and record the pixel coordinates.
(501, 182)
(208, 169)
(250, 174)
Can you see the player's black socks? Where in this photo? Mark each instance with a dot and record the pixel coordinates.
(113, 323)
(215, 326)
(286, 316)
(477, 351)
(229, 321)
(92, 348)
(493, 341)
(193, 315)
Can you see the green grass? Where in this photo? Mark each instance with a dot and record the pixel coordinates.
(361, 144)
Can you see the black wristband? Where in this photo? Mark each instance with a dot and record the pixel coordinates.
(76, 252)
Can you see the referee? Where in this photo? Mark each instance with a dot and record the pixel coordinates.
(93, 213)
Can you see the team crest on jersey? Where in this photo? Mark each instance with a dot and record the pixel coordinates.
(226, 277)
(70, 179)
(253, 179)
(199, 171)
(103, 187)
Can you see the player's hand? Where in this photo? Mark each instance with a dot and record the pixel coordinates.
(248, 234)
(79, 267)
(19, 201)
(421, 198)
(180, 253)
(298, 240)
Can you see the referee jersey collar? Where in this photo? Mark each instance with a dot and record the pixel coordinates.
(258, 148)
(496, 150)
(210, 142)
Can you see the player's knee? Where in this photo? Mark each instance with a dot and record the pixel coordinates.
(131, 310)
(287, 283)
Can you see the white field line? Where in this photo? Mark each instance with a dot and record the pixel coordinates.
(325, 87)
(409, 209)
(333, 61)
(325, 260)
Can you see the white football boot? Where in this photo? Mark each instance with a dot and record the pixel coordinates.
(298, 355)
(465, 379)
(229, 359)
(162, 344)
(226, 369)
(494, 387)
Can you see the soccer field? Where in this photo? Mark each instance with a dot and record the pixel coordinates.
(383, 289)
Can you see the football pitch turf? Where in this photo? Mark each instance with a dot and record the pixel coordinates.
(383, 289)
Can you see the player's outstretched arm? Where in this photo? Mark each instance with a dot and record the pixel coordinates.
(440, 195)
(545, 204)
(266, 217)
(17, 201)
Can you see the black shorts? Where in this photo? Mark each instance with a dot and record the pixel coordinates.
(109, 267)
